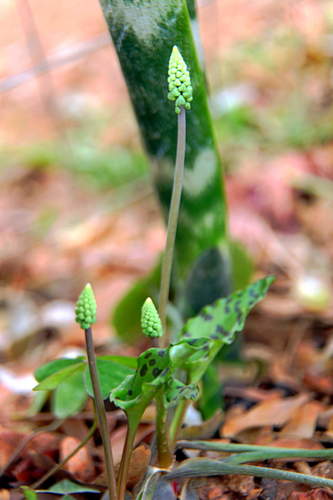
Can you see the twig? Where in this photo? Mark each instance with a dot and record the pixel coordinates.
(48, 428)
(59, 466)
(37, 54)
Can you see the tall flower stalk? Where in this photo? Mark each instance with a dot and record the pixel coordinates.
(180, 91)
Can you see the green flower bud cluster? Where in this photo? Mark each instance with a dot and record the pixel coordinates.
(85, 309)
(150, 320)
(180, 88)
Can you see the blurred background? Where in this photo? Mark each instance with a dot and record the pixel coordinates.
(76, 199)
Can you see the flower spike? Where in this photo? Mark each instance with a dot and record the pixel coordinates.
(180, 88)
(85, 309)
(150, 320)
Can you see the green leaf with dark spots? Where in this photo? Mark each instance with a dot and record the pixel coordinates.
(137, 390)
(176, 391)
(225, 317)
(216, 325)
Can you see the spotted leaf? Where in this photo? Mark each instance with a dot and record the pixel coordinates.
(176, 391)
(216, 325)
(137, 390)
(225, 317)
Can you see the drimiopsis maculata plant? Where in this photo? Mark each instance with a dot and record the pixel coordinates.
(171, 372)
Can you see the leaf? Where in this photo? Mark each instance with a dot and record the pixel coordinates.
(271, 412)
(204, 335)
(139, 464)
(110, 375)
(66, 487)
(126, 317)
(176, 391)
(51, 382)
(48, 369)
(210, 397)
(38, 401)
(190, 490)
(226, 316)
(201, 467)
(303, 421)
(137, 391)
(70, 395)
(242, 264)
(129, 361)
(28, 493)
(204, 430)
(81, 464)
(149, 484)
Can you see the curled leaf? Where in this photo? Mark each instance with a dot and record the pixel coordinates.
(137, 390)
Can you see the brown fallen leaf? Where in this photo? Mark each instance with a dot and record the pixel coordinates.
(323, 469)
(303, 467)
(32, 467)
(81, 464)
(9, 440)
(319, 383)
(303, 422)
(316, 494)
(210, 488)
(276, 411)
(138, 464)
(45, 444)
(205, 430)
(243, 485)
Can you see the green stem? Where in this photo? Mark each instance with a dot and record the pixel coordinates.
(255, 452)
(126, 456)
(172, 225)
(177, 421)
(101, 415)
(59, 466)
(205, 467)
(165, 458)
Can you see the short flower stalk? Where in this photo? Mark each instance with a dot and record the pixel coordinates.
(86, 315)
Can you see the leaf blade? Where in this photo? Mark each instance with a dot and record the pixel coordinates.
(54, 366)
(50, 383)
